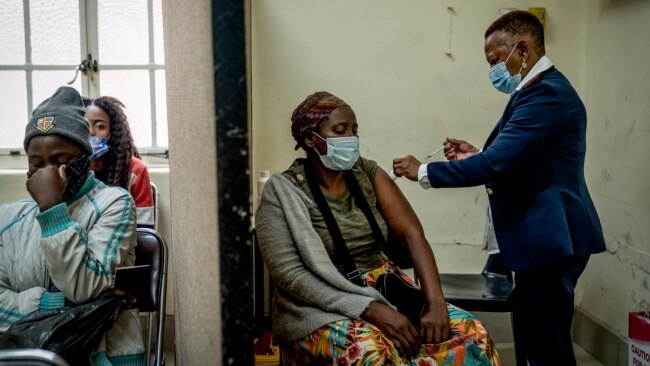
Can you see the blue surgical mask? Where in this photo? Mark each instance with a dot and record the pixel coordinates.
(100, 146)
(501, 78)
(342, 152)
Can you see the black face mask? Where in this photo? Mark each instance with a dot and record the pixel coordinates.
(77, 172)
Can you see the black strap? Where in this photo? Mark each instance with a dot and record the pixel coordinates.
(362, 202)
(389, 247)
(340, 247)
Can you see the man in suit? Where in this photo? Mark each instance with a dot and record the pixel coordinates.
(532, 166)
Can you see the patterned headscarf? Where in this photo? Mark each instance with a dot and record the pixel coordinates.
(310, 113)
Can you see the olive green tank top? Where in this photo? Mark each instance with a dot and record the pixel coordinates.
(353, 224)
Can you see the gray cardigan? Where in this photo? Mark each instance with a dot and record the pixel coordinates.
(309, 290)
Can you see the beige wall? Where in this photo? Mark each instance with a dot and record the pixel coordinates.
(193, 185)
(388, 60)
(617, 96)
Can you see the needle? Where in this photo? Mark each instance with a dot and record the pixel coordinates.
(434, 153)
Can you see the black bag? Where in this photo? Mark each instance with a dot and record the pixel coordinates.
(71, 332)
(407, 299)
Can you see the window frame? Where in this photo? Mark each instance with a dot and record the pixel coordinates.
(90, 81)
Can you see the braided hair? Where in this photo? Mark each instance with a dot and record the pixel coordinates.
(121, 146)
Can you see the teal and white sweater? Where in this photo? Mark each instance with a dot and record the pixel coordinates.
(309, 290)
(78, 245)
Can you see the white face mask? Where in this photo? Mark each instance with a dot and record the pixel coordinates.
(501, 78)
(342, 152)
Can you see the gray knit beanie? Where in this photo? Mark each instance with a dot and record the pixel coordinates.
(61, 114)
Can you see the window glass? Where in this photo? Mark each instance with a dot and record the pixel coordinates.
(161, 109)
(117, 35)
(131, 87)
(13, 104)
(12, 32)
(54, 27)
(122, 23)
(45, 83)
(159, 48)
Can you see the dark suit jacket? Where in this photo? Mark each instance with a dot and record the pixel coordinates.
(532, 166)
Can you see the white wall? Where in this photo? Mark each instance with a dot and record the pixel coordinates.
(617, 96)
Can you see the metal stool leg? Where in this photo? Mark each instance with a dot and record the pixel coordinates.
(148, 342)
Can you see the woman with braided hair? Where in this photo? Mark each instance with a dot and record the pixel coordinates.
(115, 158)
(326, 309)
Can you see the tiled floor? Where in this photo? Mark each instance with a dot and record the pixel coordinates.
(507, 355)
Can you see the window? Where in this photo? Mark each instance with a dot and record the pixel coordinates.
(44, 42)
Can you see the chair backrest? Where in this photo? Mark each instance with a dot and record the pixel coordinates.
(30, 357)
(152, 250)
(156, 205)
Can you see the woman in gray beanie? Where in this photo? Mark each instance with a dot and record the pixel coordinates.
(63, 245)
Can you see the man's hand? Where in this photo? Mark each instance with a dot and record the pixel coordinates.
(46, 186)
(128, 299)
(458, 149)
(406, 167)
(434, 323)
(395, 327)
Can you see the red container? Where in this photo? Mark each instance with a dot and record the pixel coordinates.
(639, 332)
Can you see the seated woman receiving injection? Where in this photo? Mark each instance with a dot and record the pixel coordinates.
(324, 313)
(115, 158)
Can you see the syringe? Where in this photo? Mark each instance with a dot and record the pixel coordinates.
(433, 153)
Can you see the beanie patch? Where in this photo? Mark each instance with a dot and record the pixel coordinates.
(45, 124)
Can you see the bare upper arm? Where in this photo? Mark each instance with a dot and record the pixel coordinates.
(394, 207)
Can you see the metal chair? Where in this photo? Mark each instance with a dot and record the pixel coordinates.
(30, 357)
(152, 250)
(156, 205)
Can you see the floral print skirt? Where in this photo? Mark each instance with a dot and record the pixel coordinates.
(356, 342)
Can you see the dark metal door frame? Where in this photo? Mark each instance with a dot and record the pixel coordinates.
(233, 181)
